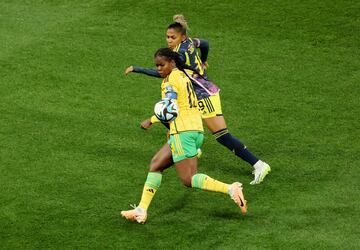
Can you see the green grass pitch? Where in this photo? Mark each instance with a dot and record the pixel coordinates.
(72, 154)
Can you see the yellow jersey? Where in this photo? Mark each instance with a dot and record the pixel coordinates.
(178, 86)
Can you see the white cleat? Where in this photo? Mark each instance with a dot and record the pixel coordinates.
(261, 170)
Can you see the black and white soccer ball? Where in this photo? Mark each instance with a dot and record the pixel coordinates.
(166, 110)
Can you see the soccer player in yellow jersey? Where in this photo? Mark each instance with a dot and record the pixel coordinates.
(208, 94)
(186, 137)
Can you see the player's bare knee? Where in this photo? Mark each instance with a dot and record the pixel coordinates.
(154, 164)
(186, 182)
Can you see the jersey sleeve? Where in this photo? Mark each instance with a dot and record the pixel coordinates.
(147, 71)
(203, 45)
(154, 119)
(196, 42)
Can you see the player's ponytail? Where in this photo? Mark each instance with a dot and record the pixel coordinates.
(179, 24)
(179, 18)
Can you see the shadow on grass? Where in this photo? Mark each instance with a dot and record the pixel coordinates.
(228, 215)
(178, 204)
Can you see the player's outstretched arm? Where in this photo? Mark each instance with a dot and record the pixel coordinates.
(146, 71)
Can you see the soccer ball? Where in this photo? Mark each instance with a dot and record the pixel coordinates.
(166, 110)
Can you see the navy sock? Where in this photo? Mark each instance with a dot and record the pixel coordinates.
(235, 145)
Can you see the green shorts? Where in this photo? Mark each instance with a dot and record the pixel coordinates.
(185, 144)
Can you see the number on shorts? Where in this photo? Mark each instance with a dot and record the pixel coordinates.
(201, 105)
(191, 95)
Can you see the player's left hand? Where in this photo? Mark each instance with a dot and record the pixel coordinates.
(146, 124)
(129, 70)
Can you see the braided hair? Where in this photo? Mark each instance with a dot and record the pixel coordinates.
(172, 55)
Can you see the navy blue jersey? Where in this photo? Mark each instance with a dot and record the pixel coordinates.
(187, 51)
(202, 85)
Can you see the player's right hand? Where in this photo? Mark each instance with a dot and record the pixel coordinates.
(129, 70)
(205, 65)
(146, 124)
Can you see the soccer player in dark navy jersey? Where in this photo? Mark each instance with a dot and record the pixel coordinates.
(206, 91)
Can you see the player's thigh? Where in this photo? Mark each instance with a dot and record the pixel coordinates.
(184, 148)
(215, 124)
(162, 159)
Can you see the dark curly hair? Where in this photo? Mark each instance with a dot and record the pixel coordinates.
(171, 55)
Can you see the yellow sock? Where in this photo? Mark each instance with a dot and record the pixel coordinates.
(152, 183)
(205, 182)
(146, 197)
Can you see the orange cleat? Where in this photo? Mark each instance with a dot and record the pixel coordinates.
(137, 214)
(236, 194)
